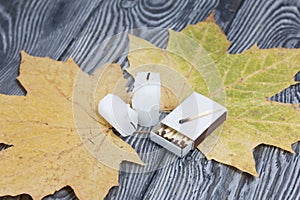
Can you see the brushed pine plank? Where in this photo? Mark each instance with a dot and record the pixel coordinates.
(63, 28)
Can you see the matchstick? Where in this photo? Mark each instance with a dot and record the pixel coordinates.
(188, 119)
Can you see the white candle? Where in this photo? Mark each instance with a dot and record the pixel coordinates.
(119, 114)
(146, 98)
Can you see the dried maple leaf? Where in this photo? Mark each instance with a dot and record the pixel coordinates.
(49, 143)
(241, 82)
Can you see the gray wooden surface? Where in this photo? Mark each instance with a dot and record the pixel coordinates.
(81, 29)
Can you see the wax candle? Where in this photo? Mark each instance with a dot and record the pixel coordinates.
(119, 114)
(146, 98)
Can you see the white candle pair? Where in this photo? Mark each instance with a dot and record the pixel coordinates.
(145, 103)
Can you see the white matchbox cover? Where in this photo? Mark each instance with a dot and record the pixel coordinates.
(195, 118)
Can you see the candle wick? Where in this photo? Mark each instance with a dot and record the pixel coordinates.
(132, 124)
(148, 76)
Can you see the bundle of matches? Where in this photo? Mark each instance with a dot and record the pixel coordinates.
(174, 136)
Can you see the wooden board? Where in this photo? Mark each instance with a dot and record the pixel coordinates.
(82, 30)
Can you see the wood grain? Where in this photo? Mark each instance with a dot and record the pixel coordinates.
(268, 24)
(86, 31)
(41, 28)
(4, 146)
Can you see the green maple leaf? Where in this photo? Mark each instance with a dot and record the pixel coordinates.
(241, 82)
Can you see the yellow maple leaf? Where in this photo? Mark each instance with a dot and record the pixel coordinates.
(53, 146)
(242, 83)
